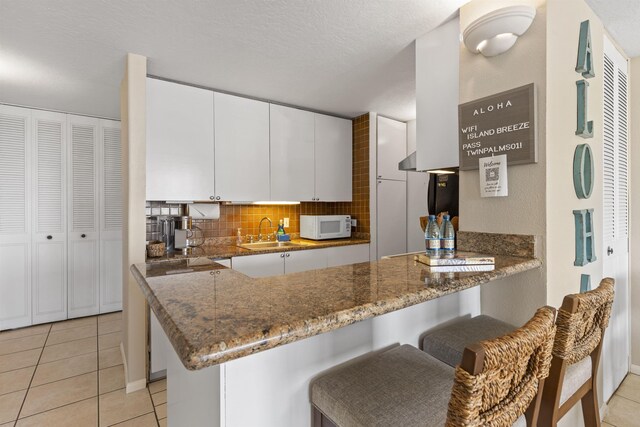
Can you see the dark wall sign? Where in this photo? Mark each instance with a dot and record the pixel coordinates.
(499, 124)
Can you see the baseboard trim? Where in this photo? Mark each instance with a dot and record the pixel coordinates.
(133, 385)
(635, 369)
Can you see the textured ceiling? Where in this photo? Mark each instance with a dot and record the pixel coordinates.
(340, 56)
(621, 18)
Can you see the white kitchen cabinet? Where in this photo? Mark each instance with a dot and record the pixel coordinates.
(346, 255)
(333, 158)
(159, 346)
(265, 265)
(292, 154)
(260, 265)
(392, 148)
(15, 214)
(180, 142)
(241, 148)
(110, 217)
(83, 258)
(49, 238)
(297, 261)
(392, 217)
(437, 96)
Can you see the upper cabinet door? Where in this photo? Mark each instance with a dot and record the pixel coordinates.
(292, 157)
(180, 148)
(392, 148)
(242, 148)
(15, 214)
(333, 154)
(49, 240)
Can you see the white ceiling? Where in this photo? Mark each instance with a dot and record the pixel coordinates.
(621, 18)
(344, 57)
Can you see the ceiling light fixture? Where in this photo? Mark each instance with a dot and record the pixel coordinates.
(497, 31)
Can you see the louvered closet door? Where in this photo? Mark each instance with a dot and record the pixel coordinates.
(15, 212)
(615, 248)
(49, 240)
(110, 217)
(84, 256)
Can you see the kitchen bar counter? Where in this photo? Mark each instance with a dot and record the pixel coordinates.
(215, 316)
(231, 250)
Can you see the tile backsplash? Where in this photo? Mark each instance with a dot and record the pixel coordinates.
(247, 217)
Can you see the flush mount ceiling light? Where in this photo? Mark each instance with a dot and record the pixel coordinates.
(495, 32)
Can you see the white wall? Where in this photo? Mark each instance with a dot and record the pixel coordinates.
(524, 210)
(564, 21)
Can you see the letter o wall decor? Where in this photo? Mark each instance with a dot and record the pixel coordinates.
(583, 171)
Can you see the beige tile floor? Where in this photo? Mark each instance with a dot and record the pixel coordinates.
(71, 374)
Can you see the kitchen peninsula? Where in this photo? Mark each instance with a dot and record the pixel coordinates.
(219, 322)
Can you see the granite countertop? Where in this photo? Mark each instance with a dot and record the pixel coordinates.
(215, 316)
(231, 250)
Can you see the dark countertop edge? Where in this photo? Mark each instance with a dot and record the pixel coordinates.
(196, 359)
(236, 251)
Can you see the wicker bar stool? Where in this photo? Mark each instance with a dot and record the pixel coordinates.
(499, 383)
(582, 321)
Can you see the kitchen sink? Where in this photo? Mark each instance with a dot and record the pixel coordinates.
(272, 245)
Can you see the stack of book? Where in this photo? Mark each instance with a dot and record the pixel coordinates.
(457, 262)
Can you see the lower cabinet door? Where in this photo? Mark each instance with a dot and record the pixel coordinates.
(345, 255)
(297, 261)
(159, 345)
(263, 265)
(15, 286)
(49, 279)
(83, 279)
(111, 272)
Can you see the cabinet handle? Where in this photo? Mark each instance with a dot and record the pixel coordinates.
(211, 198)
(217, 197)
(379, 176)
(281, 255)
(49, 237)
(287, 255)
(83, 235)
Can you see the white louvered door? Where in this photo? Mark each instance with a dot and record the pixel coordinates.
(15, 212)
(83, 261)
(615, 247)
(110, 217)
(49, 238)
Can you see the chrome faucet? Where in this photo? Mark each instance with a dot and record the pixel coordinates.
(260, 228)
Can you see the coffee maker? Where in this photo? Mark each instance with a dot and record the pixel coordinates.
(186, 234)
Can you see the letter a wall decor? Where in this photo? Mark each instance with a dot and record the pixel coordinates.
(584, 66)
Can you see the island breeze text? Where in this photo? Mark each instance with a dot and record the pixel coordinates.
(475, 148)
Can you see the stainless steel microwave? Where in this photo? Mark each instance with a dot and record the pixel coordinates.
(320, 227)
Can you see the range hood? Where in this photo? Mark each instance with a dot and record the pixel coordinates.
(409, 163)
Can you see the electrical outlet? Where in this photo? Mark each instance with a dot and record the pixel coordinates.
(354, 222)
(286, 222)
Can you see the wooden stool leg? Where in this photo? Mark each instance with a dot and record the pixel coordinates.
(590, 408)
